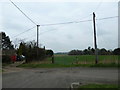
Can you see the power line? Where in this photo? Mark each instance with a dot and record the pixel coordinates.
(24, 39)
(90, 20)
(77, 21)
(59, 23)
(63, 23)
(24, 32)
(23, 12)
(107, 18)
(30, 36)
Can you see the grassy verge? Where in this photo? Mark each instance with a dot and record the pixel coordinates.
(105, 65)
(5, 64)
(30, 65)
(1, 70)
(99, 86)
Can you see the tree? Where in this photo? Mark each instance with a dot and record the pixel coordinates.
(6, 43)
(90, 51)
(93, 51)
(103, 51)
(86, 52)
(110, 52)
(31, 51)
(116, 51)
(22, 49)
(49, 53)
(75, 52)
(89, 48)
(16, 41)
(6, 47)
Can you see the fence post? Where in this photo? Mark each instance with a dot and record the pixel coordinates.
(53, 59)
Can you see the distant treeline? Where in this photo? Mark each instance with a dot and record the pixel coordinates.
(60, 53)
(91, 51)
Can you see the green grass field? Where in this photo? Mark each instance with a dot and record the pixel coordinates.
(75, 61)
(85, 59)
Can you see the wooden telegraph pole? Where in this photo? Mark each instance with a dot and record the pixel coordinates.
(37, 39)
(95, 42)
(38, 35)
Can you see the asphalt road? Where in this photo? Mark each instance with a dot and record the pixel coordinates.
(57, 77)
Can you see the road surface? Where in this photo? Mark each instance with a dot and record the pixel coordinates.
(57, 77)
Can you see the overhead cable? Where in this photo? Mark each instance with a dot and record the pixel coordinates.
(22, 12)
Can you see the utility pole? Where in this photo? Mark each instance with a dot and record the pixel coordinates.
(95, 42)
(37, 39)
(38, 35)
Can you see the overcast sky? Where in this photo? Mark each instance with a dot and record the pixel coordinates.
(66, 37)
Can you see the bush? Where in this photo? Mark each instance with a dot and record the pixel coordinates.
(6, 59)
(116, 51)
(34, 54)
(49, 53)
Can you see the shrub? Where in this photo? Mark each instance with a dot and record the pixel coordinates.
(6, 59)
(49, 53)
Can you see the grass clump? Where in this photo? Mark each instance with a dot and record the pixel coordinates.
(99, 86)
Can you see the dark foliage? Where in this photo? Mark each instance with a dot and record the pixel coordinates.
(6, 59)
(91, 51)
(32, 52)
(6, 43)
(49, 53)
(6, 47)
(75, 52)
(116, 51)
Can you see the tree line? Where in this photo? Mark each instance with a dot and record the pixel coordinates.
(28, 49)
(91, 51)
